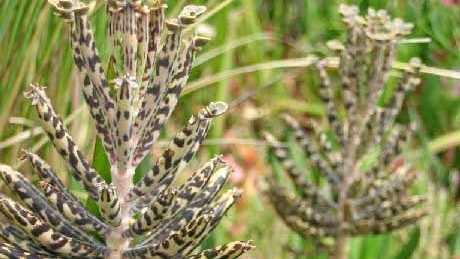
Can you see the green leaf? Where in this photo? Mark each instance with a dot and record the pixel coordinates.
(92, 207)
(374, 247)
(409, 248)
(453, 242)
(456, 250)
(101, 161)
(355, 246)
(276, 168)
(142, 168)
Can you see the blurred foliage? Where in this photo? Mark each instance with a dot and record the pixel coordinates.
(249, 35)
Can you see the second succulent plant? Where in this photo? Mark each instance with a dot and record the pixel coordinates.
(351, 199)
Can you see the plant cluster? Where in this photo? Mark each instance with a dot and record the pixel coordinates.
(353, 196)
(130, 101)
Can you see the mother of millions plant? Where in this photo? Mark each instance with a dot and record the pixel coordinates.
(353, 200)
(149, 66)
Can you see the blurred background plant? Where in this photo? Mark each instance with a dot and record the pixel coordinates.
(256, 62)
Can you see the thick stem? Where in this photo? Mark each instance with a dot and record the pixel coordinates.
(341, 239)
(349, 174)
(341, 250)
(122, 180)
(116, 243)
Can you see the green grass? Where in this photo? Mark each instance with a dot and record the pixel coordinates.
(250, 35)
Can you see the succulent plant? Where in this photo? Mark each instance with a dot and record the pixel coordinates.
(351, 198)
(155, 218)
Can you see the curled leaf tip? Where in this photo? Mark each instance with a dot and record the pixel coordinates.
(190, 13)
(215, 109)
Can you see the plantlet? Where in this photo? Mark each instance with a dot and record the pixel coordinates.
(149, 66)
(353, 200)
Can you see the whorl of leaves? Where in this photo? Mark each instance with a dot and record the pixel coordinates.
(151, 58)
(351, 199)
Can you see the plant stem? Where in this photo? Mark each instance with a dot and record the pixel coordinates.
(341, 247)
(349, 173)
(116, 243)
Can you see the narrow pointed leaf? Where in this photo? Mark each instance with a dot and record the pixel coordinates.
(43, 233)
(82, 171)
(35, 201)
(74, 212)
(181, 149)
(230, 250)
